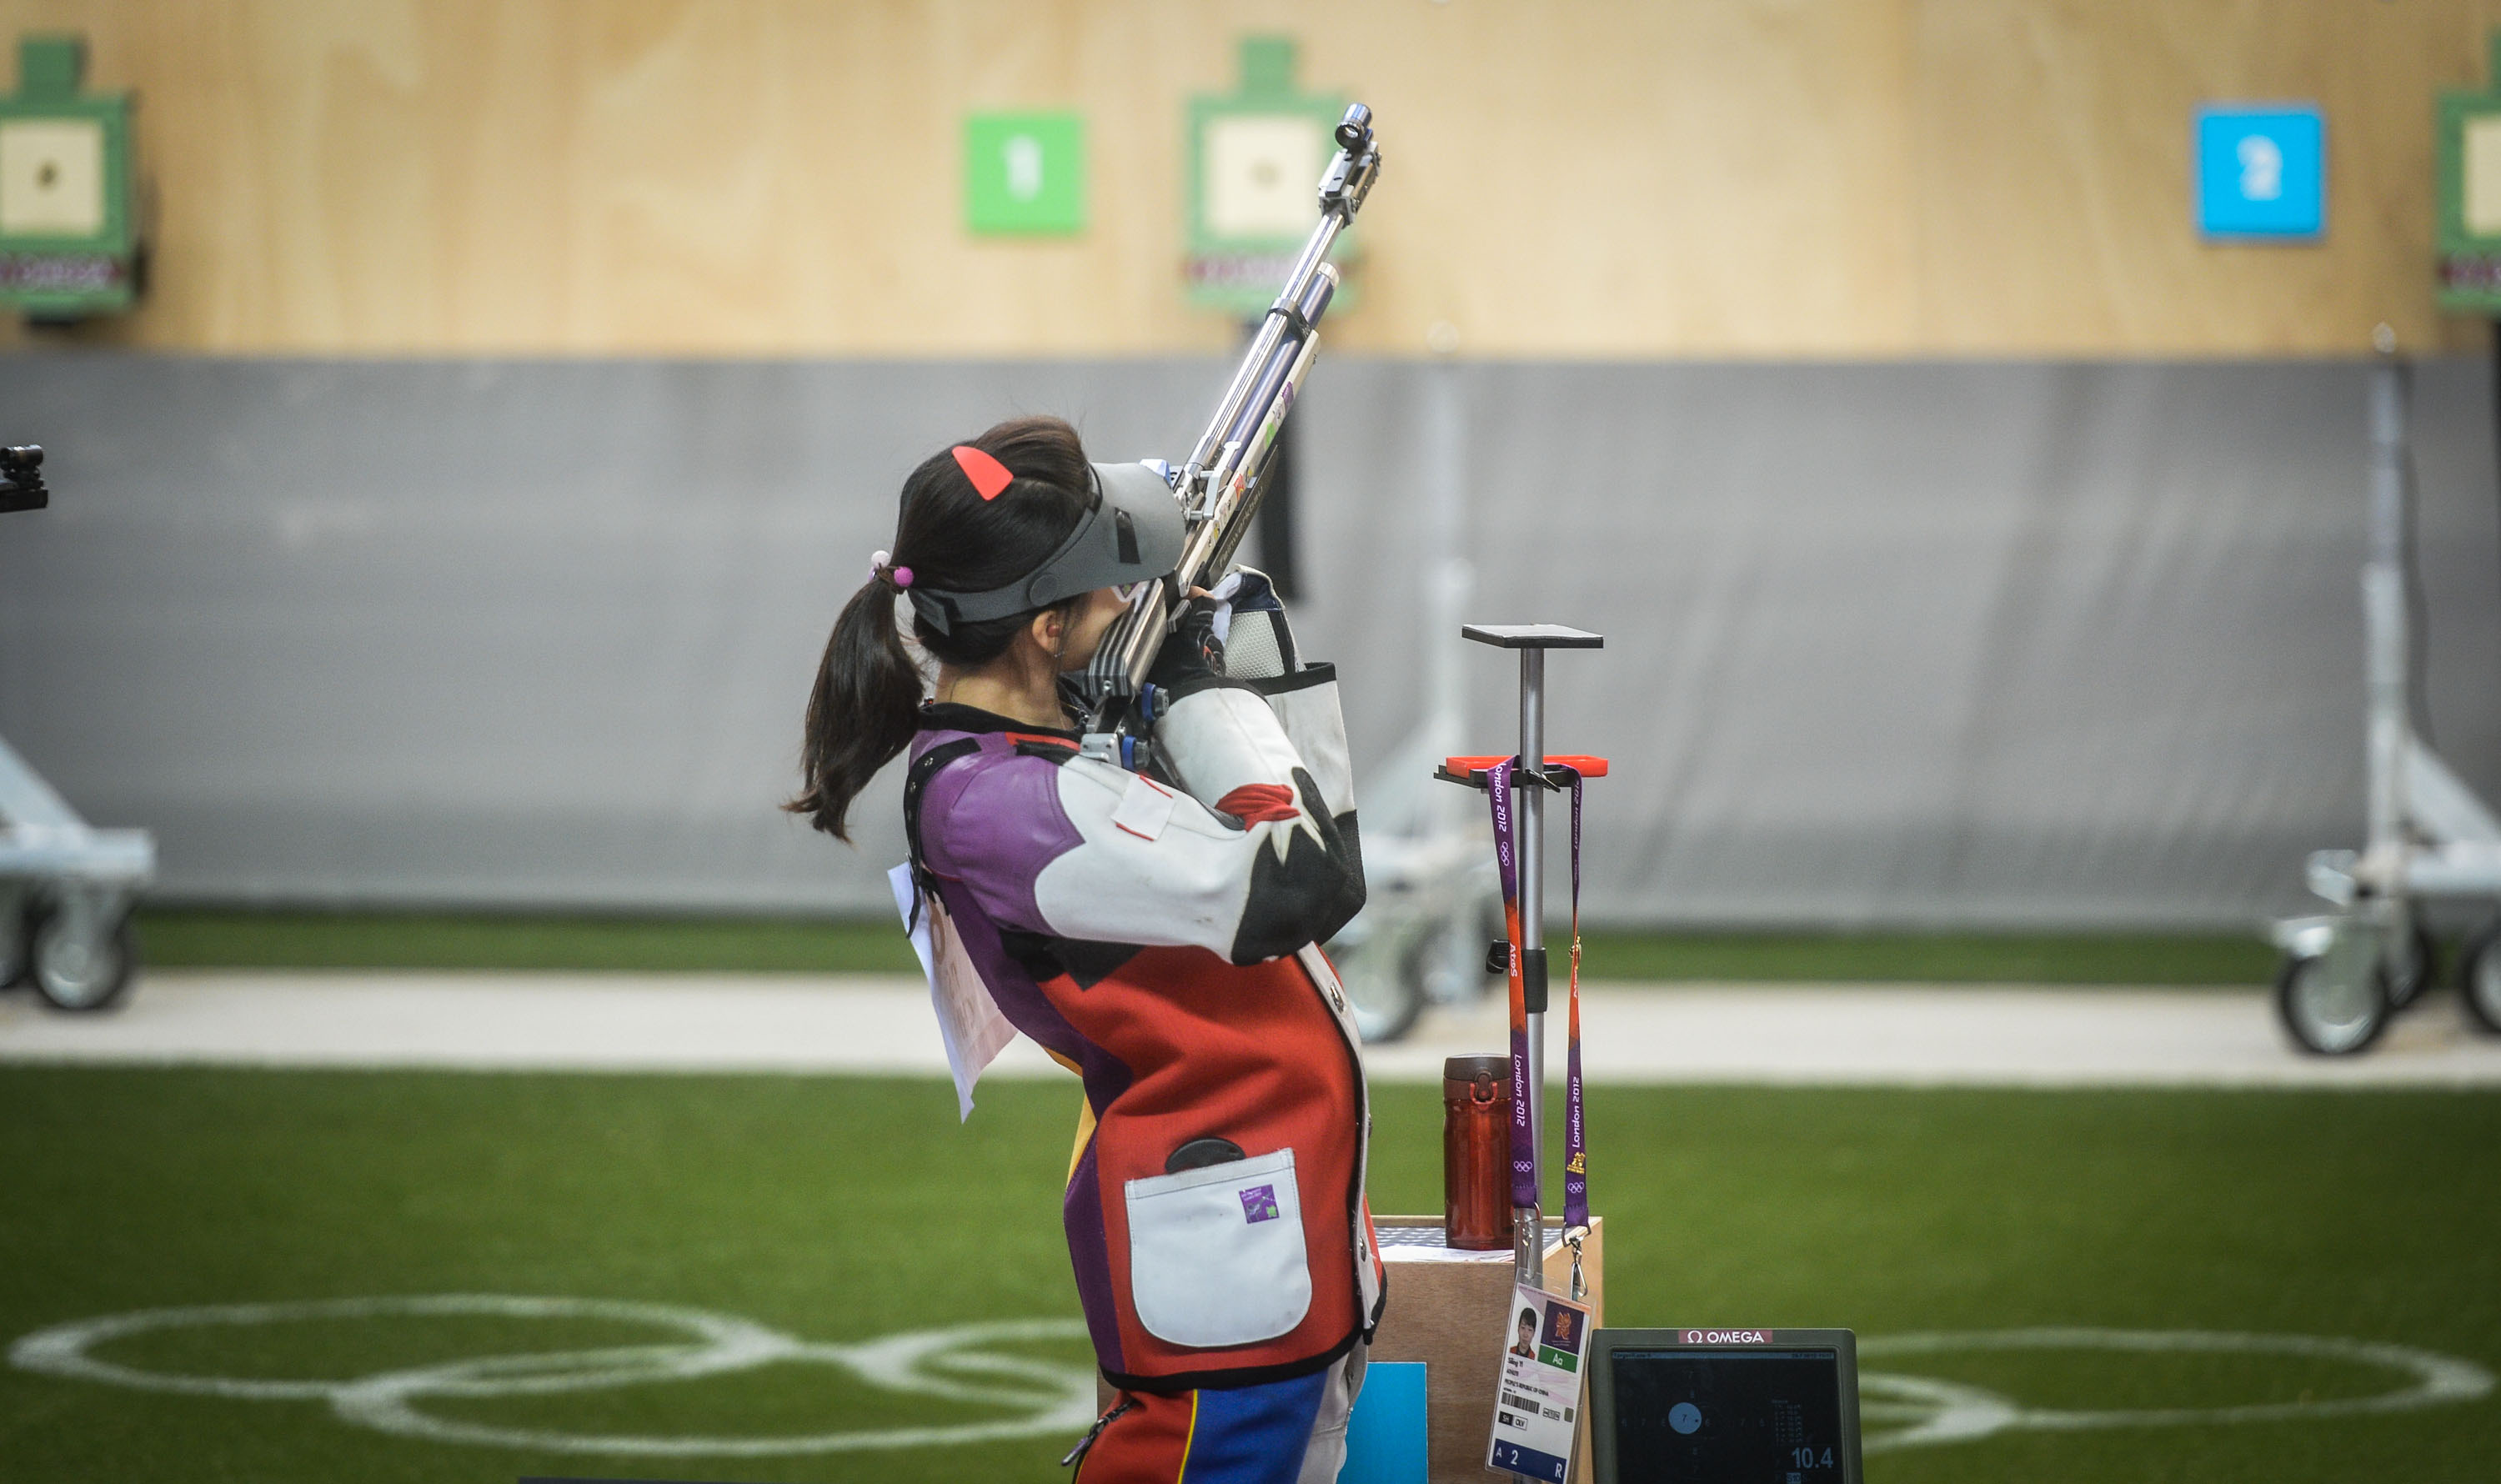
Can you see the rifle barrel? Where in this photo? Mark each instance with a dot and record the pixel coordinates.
(1274, 327)
(1220, 484)
(1265, 449)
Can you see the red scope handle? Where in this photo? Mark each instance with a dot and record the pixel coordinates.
(1471, 770)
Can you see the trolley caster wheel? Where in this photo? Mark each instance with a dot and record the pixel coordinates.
(81, 970)
(2404, 988)
(2478, 979)
(1384, 978)
(15, 962)
(2334, 1003)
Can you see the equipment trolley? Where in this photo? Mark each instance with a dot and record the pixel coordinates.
(2346, 972)
(65, 888)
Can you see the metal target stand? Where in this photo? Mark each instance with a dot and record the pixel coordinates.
(66, 889)
(1532, 640)
(2347, 973)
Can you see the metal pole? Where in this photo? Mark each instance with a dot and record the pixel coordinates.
(2387, 661)
(1447, 580)
(2384, 607)
(1528, 1223)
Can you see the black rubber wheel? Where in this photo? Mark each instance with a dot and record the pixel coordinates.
(1384, 978)
(2330, 1013)
(2405, 988)
(17, 935)
(2478, 979)
(78, 975)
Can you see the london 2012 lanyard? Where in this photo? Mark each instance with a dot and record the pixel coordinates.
(1523, 1161)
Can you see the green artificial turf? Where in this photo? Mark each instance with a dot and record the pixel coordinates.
(197, 938)
(842, 1209)
(2072, 957)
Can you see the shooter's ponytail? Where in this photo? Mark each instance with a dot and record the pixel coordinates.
(951, 537)
(862, 710)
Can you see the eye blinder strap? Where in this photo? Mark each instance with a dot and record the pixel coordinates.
(1026, 593)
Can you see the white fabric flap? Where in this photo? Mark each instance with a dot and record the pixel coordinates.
(1216, 1254)
(969, 1020)
(1307, 707)
(1145, 808)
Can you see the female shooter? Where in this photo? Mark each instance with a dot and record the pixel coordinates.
(1155, 934)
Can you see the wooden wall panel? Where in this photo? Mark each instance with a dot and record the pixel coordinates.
(2055, 181)
(1686, 178)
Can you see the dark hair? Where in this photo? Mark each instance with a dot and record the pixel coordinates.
(866, 702)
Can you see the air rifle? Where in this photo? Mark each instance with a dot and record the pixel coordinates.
(1220, 484)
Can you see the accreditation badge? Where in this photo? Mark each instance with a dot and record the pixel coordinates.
(1537, 1404)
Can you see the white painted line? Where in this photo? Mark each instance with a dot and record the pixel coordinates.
(1056, 1396)
(1893, 1034)
(517, 1021)
(1958, 1036)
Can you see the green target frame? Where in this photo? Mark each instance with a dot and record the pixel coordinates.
(70, 242)
(1244, 233)
(2467, 233)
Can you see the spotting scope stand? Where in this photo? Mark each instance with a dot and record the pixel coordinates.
(1532, 640)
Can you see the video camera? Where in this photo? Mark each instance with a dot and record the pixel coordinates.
(21, 479)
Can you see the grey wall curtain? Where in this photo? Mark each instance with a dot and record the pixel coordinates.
(1928, 644)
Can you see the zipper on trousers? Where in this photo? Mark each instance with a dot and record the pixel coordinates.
(1126, 1404)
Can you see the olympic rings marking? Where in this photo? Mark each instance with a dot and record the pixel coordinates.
(1058, 1398)
(1950, 1411)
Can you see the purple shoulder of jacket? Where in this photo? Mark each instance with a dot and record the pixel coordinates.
(992, 822)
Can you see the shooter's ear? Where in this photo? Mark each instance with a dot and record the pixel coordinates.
(1049, 629)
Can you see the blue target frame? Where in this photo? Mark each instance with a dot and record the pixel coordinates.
(2263, 171)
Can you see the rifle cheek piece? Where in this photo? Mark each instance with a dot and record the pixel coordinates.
(1132, 532)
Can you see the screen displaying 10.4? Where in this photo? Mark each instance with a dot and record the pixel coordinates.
(1723, 1417)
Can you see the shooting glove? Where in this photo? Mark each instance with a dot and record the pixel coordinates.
(1193, 656)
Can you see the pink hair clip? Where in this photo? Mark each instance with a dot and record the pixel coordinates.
(883, 565)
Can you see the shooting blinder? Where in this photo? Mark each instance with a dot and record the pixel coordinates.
(1132, 532)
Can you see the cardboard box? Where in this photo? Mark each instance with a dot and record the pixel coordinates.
(1451, 1310)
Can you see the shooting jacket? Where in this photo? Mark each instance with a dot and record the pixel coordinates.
(1158, 935)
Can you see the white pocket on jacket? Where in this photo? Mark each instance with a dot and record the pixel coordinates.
(1216, 1254)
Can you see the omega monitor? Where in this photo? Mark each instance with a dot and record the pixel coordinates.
(1724, 1407)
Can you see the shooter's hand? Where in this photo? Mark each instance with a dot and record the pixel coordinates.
(1193, 655)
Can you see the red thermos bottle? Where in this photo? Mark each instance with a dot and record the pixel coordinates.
(1476, 1152)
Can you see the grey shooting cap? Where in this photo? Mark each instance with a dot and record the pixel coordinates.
(1132, 530)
